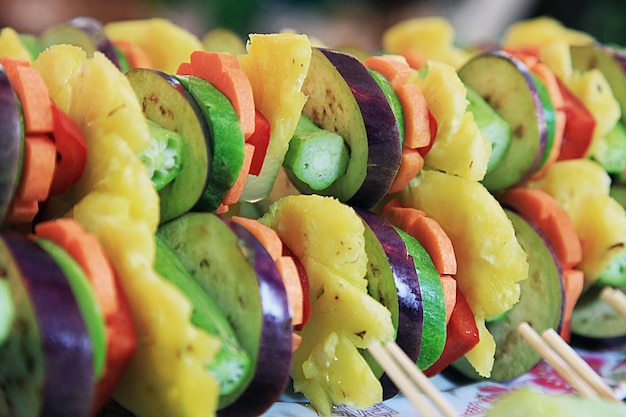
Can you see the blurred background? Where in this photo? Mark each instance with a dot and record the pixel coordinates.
(334, 22)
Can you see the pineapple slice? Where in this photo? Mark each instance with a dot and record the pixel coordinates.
(117, 111)
(118, 203)
(581, 187)
(540, 31)
(433, 36)
(276, 65)
(328, 237)
(167, 44)
(557, 57)
(11, 45)
(592, 88)
(57, 67)
(491, 261)
(459, 147)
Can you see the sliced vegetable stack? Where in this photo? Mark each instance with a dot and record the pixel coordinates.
(224, 227)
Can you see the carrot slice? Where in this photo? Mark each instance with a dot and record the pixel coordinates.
(232, 196)
(89, 253)
(33, 94)
(184, 68)
(428, 232)
(393, 67)
(291, 280)
(545, 74)
(136, 56)
(266, 235)
(414, 106)
(401, 217)
(544, 210)
(436, 242)
(83, 247)
(21, 211)
(415, 58)
(224, 72)
(449, 293)
(411, 164)
(574, 283)
(285, 264)
(296, 340)
(416, 116)
(38, 166)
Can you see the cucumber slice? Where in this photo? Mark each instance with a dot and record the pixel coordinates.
(434, 331)
(228, 140)
(393, 99)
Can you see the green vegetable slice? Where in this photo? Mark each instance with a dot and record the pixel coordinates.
(163, 158)
(316, 156)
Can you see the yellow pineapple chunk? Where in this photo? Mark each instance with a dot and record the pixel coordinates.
(543, 30)
(558, 58)
(581, 187)
(11, 45)
(167, 44)
(97, 114)
(276, 65)
(328, 237)
(57, 66)
(491, 262)
(459, 147)
(433, 36)
(118, 203)
(592, 88)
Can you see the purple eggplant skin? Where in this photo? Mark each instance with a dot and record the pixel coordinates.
(68, 380)
(384, 144)
(90, 30)
(273, 365)
(11, 132)
(411, 308)
(95, 30)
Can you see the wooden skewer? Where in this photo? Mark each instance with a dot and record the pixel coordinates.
(615, 298)
(579, 365)
(567, 363)
(416, 386)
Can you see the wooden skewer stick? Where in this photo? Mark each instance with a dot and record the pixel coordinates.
(550, 356)
(615, 298)
(579, 365)
(411, 381)
(554, 350)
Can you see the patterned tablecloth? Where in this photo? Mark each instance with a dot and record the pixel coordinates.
(474, 399)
